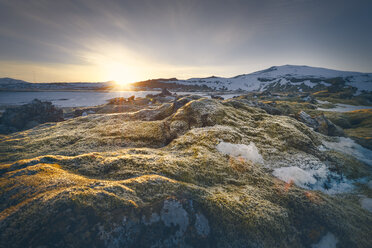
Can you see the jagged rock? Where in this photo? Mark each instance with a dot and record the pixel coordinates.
(269, 108)
(165, 92)
(320, 124)
(307, 119)
(29, 115)
(164, 96)
(326, 127)
(217, 97)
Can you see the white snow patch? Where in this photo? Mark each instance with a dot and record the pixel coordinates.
(366, 203)
(322, 102)
(309, 83)
(319, 178)
(249, 152)
(315, 175)
(327, 241)
(348, 146)
(344, 108)
(299, 176)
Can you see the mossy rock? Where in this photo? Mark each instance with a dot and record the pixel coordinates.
(166, 184)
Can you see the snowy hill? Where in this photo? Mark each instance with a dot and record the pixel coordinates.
(287, 77)
(10, 84)
(276, 79)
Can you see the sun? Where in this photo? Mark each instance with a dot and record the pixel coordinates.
(123, 75)
(117, 73)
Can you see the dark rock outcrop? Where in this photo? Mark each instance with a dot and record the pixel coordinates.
(268, 107)
(217, 97)
(327, 127)
(307, 119)
(29, 115)
(165, 92)
(320, 124)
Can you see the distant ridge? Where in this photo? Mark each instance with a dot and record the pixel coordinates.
(276, 78)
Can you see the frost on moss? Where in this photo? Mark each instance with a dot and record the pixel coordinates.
(249, 152)
(161, 179)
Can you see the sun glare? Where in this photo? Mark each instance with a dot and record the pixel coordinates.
(121, 74)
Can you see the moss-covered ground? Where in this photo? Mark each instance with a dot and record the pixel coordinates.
(155, 178)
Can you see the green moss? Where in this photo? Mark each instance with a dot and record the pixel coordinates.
(74, 180)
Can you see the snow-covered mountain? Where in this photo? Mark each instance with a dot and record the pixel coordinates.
(10, 83)
(286, 77)
(277, 78)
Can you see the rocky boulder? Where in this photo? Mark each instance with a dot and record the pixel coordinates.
(327, 127)
(307, 119)
(29, 115)
(165, 92)
(320, 124)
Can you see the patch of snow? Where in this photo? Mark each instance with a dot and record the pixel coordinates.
(249, 152)
(309, 83)
(366, 203)
(344, 108)
(322, 102)
(326, 84)
(315, 179)
(299, 176)
(348, 146)
(327, 241)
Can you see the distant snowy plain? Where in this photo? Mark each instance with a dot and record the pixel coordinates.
(78, 99)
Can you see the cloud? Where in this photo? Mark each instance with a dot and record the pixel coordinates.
(238, 35)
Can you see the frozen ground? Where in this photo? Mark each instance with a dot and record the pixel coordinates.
(343, 107)
(77, 99)
(67, 99)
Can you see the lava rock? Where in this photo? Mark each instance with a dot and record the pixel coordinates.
(307, 119)
(29, 115)
(327, 127)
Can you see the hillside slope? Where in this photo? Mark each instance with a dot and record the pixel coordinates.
(275, 79)
(287, 77)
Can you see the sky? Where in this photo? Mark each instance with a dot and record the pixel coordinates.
(128, 41)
